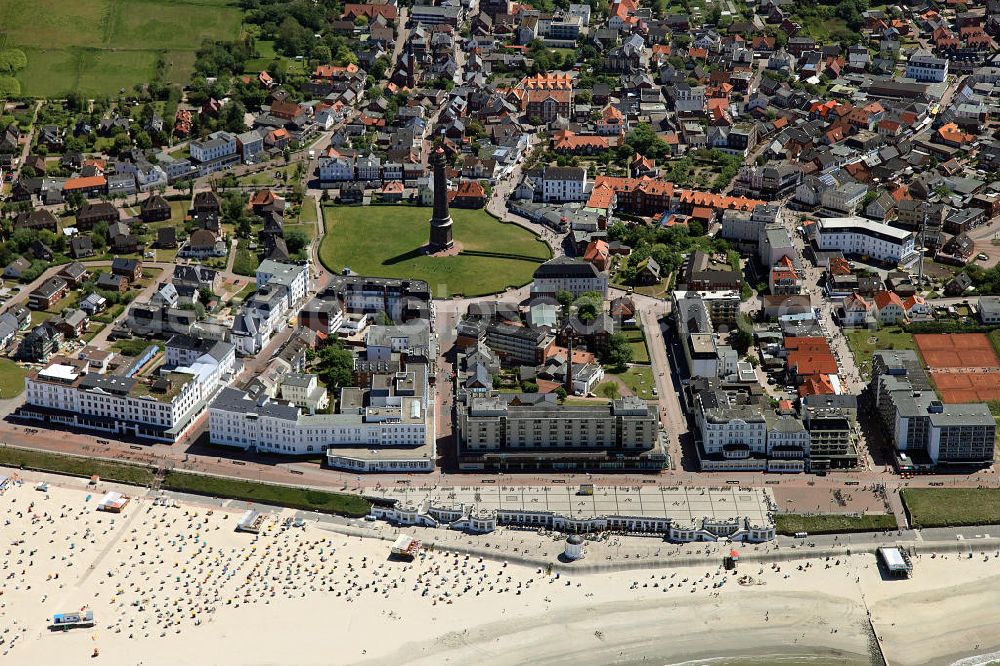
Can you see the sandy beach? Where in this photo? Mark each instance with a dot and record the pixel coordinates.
(171, 585)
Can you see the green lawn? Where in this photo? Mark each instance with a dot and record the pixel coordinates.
(386, 241)
(790, 523)
(298, 498)
(99, 46)
(864, 342)
(11, 379)
(637, 341)
(307, 214)
(54, 462)
(40, 317)
(638, 379)
(93, 328)
(131, 346)
(246, 262)
(942, 507)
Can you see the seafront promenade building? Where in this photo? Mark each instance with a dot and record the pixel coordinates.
(501, 432)
(158, 406)
(384, 427)
(925, 431)
(656, 512)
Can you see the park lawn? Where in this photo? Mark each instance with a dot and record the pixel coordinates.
(637, 341)
(831, 523)
(865, 342)
(638, 379)
(386, 241)
(267, 493)
(943, 507)
(11, 379)
(74, 466)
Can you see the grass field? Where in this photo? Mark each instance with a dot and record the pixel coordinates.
(131, 346)
(246, 262)
(298, 498)
(942, 507)
(54, 462)
(790, 523)
(100, 46)
(386, 241)
(638, 379)
(11, 379)
(864, 342)
(637, 341)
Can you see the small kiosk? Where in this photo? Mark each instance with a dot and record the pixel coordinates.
(573, 550)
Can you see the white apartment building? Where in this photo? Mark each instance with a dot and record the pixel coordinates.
(369, 168)
(250, 144)
(858, 236)
(261, 316)
(926, 67)
(845, 198)
(561, 184)
(215, 146)
(291, 276)
(219, 357)
(160, 407)
(567, 274)
(688, 98)
(336, 169)
(393, 415)
(732, 430)
(304, 390)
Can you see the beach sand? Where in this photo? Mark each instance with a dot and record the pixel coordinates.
(180, 586)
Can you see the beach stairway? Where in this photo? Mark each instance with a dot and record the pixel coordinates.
(161, 474)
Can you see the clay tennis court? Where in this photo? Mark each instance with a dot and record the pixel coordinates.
(956, 387)
(963, 366)
(958, 350)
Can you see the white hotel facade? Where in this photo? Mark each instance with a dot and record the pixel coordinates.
(393, 416)
(859, 236)
(160, 407)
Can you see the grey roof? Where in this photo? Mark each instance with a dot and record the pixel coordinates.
(566, 267)
(234, 400)
(214, 348)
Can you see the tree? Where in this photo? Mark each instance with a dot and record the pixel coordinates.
(335, 365)
(740, 340)
(619, 352)
(295, 241)
(564, 298)
(561, 394)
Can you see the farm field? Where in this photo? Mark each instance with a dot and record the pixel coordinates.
(101, 46)
(386, 241)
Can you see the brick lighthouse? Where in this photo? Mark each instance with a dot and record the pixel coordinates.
(441, 220)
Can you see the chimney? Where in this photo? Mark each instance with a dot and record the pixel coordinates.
(569, 366)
